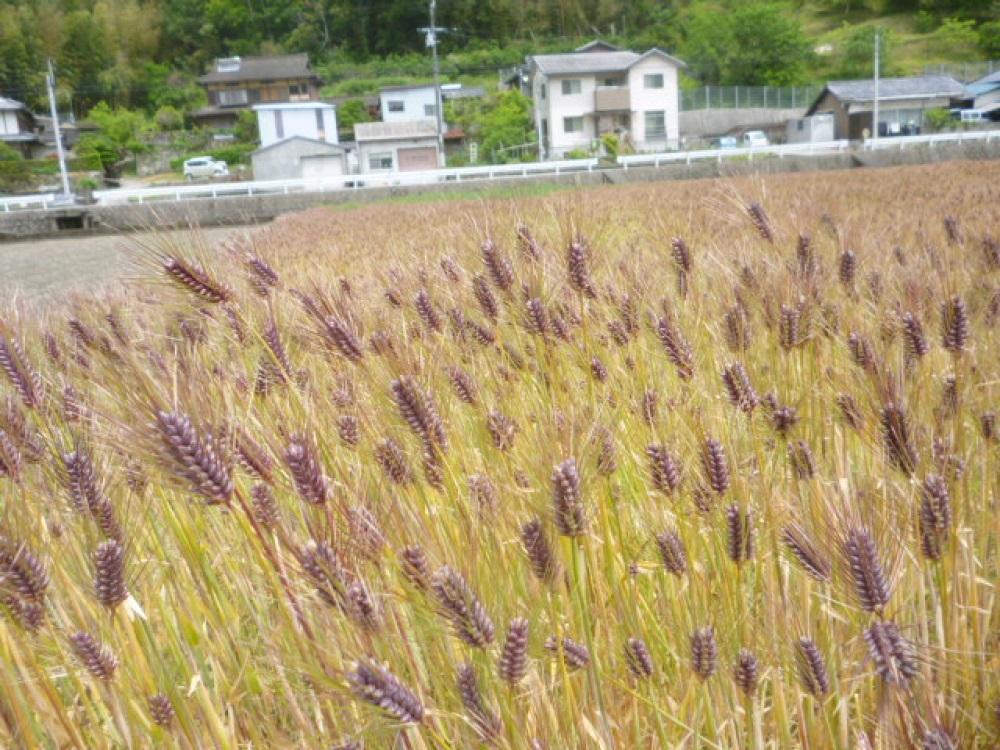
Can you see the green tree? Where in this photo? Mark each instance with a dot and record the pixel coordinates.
(768, 47)
(351, 112)
(856, 56)
(498, 122)
(955, 36)
(122, 133)
(989, 39)
(246, 127)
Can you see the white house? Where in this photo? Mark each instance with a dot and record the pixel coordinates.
(579, 96)
(17, 126)
(417, 102)
(409, 146)
(314, 120)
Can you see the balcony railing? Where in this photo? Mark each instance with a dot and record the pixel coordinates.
(612, 99)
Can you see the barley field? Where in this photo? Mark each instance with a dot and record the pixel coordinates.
(707, 464)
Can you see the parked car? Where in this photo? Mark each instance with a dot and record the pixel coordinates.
(205, 166)
(754, 138)
(726, 141)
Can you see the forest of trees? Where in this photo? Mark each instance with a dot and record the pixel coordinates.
(146, 53)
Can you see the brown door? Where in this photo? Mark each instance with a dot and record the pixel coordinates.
(417, 159)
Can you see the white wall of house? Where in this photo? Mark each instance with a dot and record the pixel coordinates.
(9, 124)
(813, 129)
(277, 123)
(651, 101)
(571, 109)
(318, 166)
(383, 155)
(286, 159)
(407, 104)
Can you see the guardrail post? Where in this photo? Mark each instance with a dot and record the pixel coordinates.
(250, 189)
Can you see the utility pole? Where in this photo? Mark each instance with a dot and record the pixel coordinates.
(432, 42)
(878, 36)
(50, 81)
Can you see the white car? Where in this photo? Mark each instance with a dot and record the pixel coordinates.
(754, 138)
(205, 166)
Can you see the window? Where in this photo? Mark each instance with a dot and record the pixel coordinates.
(227, 64)
(545, 130)
(279, 124)
(543, 91)
(573, 124)
(430, 110)
(295, 89)
(655, 125)
(380, 161)
(397, 105)
(652, 81)
(232, 97)
(616, 81)
(571, 86)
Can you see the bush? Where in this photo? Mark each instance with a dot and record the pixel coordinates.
(989, 39)
(956, 36)
(246, 127)
(925, 22)
(7, 153)
(577, 153)
(168, 118)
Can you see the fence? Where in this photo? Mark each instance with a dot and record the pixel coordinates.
(740, 97)
(965, 72)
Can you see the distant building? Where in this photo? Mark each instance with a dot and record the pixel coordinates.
(986, 95)
(410, 146)
(417, 101)
(313, 120)
(18, 127)
(813, 129)
(597, 89)
(236, 83)
(298, 158)
(902, 103)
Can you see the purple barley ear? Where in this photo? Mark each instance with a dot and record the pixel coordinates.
(991, 253)
(338, 334)
(497, 265)
(618, 332)
(951, 229)
(417, 408)
(862, 352)
(672, 552)
(790, 327)
(649, 406)
(914, 338)
(513, 662)
(638, 658)
(196, 280)
(527, 243)
(935, 516)
(805, 256)
(194, 457)
(20, 372)
(713, 461)
(433, 468)
(892, 655)
(938, 738)
(739, 334)
(704, 652)
(988, 426)
(460, 606)
(607, 457)
(664, 469)
(850, 410)
(502, 430)
(428, 313)
(109, 579)
(415, 567)
(349, 430)
(536, 317)
(872, 587)
(954, 325)
(683, 264)
(678, 349)
(22, 571)
(97, 658)
(803, 461)
(814, 562)
(483, 493)
(573, 654)
(323, 566)
(899, 448)
(161, 710)
(746, 671)
(265, 507)
(28, 615)
(741, 392)
(485, 720)
(761, 222)
(539, 551)
(485, 298)
(252, 456)
(302, 460)
(378, 686)
(578, 268)
(570, 513)
(740, 536)
(464, 385)
(263, 278)
(812, 667)
(363, 606)
(10, 457)
(391, 457)
(450, 269)
(598, 370)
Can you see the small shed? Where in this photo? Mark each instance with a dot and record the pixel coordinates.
(902, 103)
(816, 128)
(410, 146)
(290, 159)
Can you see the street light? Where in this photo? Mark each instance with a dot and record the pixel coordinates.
(431, 40)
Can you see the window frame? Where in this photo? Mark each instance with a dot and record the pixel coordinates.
(567, 129)
(395, 105)
(657, 132)
(654, 76)
(383, 157)
(568, 84)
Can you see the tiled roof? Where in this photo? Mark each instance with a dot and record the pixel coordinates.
(264, 68)
(583, 63)
(896, 88)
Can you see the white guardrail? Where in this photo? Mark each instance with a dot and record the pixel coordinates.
(125, 196)
(341, 182)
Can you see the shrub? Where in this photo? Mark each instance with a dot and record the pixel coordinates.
(168, 118)
(938, 119)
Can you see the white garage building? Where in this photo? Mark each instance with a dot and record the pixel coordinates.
(410, 146)
(298, 158)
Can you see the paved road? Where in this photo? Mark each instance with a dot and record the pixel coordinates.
(40, 271)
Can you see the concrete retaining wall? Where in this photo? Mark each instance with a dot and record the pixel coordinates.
(709, 122)
(238, 210)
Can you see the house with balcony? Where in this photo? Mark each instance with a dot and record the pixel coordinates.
(237, 83)
(598, 89)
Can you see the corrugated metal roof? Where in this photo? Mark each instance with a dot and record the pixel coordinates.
(385, 131)
(896, 88)
(985, 84)
(264, 68)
